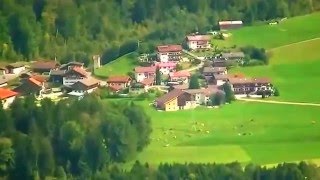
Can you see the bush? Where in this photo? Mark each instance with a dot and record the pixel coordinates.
(276, 92)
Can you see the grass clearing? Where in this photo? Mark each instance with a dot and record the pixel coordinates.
(266, 36)
(120, 66)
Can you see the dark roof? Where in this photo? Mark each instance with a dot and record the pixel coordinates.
(170, 95)
(44, 65)
(78, 70)
(214, 69)
(15, 65)
(57, 72)
(169, 48)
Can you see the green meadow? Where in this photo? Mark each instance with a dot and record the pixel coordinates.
(289, 31)
(120, 66)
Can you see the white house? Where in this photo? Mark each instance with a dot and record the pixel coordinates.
(198, 42)
(142, 73)
(84, 86)
(166, 67)
(7, 97)
(15, 68)
(74, 75)
(170, 52)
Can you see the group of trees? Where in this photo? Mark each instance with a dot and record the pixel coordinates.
(255, 56)
(77, 29)
(232, 171)
(73, 138)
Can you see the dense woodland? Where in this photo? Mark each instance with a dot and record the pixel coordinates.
(69, 139)
(77, 29)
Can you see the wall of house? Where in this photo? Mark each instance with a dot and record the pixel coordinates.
(18, 70)
(220, 82)
(7, 102)
(163, 57)
(67, 81)
(172, 105)
(140, 77)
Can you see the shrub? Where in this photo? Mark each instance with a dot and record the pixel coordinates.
(276, 92)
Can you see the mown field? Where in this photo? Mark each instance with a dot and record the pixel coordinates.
(292, 30)
(120, 66)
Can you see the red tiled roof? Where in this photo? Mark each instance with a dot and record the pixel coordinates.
(89, 81)
(199, 38)
(180, 74)
(80, 71)
(34, 81)
(148, 81)
(169, 48)
(6, 93)
(166, 64)
(150, 69)
(39, 78)
(122, 79)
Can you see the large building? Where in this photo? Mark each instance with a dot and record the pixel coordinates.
(142, 73)
(198, 42)
(170, 52)
(250, 85)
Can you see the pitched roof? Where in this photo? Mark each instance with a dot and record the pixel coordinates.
(262, 80)
(89, 81)
(34, 81)
(44, 65)
(40, 78)
(233, 55)
(16, 65)
(80, 71)
(214, 69)
(230, 22)
(199, 38)
(166, 64)
(141, 69)
(72, 63)
(181, 86)
(122, 79)
(169, 48)
(221, 76)
(148, 81)
(6, 93)
(57, 72)
(170, 95)
(182, 73)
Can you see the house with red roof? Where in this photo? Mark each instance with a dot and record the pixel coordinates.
(7, 97)
(74, 75)
(166, 67)
(43, 66)
(244, 85)
(170, 52)
(118, 82)
(15, 68)
(30, 86)
(142, 73)
(180, 77)
(228, 25)
(198, 42)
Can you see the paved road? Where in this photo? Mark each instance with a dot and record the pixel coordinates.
(279, 102)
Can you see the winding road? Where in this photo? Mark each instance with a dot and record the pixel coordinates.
(279, 102)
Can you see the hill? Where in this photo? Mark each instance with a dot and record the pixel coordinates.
(289, 31)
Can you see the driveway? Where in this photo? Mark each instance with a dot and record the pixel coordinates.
(279, 102)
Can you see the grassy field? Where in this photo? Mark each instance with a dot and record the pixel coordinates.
(120, 66)
(203, 135)
(294, 69)
(289, 31)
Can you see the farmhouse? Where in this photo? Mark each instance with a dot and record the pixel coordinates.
(202, 96)
(31, 86)
(74, 75)
(44, 66)
(71, 65)
(175, 100)
(3, 81)
(220, 79)
(198, 42)
(233, 56)
(7, 97)
(84, 86)
(56, 76)
(142, 87)
(167, 53)
(180, 77)
(211, 71)
(142, 73)
(118, 82)
(15, 68)
(228, 25)
(166, 67)
(250, 85)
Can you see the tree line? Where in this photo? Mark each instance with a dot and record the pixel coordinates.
(70, 139)
(76, 29)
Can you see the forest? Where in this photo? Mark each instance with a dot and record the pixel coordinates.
(77, 29)
(73, 138)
